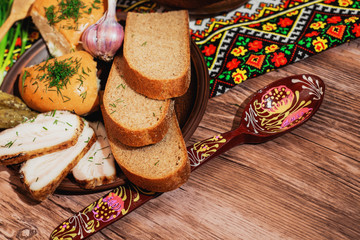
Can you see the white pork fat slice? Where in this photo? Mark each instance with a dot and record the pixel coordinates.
(46, 133)
(97, 167)
(42, 175)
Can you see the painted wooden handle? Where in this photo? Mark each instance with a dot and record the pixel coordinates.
(125, 198)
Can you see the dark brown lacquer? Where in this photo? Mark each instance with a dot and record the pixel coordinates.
(272, 111)
(190, 107)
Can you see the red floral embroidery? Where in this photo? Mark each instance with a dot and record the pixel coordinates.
(334, 19)
(254, 25)
(209, 50)
(312, 34)
(356, 30)
(284, 22)
(279, 59)
(329, 1)
(255, 45)
(233, 64)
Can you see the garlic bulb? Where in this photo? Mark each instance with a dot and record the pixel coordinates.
(104, 38)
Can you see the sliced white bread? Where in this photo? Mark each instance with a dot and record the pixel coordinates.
(46, 133)
(160, 167)
(42, 175)
(134, 119)
(157, 53)
(97, 167)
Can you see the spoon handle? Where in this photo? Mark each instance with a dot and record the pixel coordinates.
(125, 198)
(207, 149)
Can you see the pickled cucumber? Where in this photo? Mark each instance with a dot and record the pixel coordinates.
(10, 101)
(13, 111)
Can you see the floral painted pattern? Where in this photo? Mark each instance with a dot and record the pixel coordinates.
(261, 35)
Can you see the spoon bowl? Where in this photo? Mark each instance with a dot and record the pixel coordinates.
(283, 105)
(272, 111)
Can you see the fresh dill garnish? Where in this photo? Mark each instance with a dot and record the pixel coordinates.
(83, 71)
(53, 112)
(24, 76)
(143, 44)
(69, 9)
(9, 144)
(121, 85)
(83, 95)
(60, 72)
(50, 15)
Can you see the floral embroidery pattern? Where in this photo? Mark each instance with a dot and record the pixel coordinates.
(253, 43)
(261, 35)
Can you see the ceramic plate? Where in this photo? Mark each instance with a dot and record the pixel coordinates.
(207, 10)
(189, 108)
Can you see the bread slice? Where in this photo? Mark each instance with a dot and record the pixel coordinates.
(160, 167)
(63, 36)
(134, 119)
(157, 53)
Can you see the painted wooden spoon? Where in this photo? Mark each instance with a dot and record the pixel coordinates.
(272, 111)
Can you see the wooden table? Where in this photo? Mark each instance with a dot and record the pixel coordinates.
(302, 185)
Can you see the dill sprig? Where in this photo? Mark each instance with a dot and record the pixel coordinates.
(69, 9)
(60, 72)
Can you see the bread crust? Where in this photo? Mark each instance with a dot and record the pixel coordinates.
(144, 83)
(135, 137)
(172, 180)
(154, 88)
(138, 137)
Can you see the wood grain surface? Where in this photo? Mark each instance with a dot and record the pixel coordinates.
(302, 185)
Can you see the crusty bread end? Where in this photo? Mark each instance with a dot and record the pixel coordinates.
(160, 167)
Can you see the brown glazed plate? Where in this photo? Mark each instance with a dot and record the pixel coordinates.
(190, 107)
(203, 8)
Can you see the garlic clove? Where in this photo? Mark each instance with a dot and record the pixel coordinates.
(104, 38)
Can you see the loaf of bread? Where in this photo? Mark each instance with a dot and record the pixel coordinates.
(68, 82)
(157, 53)
(134, 119)
(160, 167)
(61, 23)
